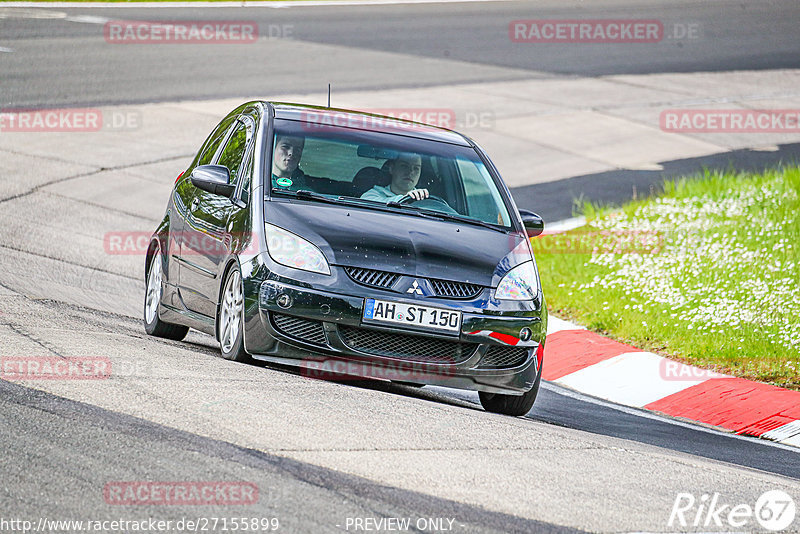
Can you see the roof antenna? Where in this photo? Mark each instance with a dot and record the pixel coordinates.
(329, 96)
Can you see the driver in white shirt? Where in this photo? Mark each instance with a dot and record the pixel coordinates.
(404, 170)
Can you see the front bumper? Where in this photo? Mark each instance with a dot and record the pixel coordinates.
(322, 332)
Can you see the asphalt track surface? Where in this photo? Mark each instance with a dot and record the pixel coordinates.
(473, 40)
(92, 442)
(67, 442)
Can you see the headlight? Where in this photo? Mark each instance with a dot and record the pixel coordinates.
(520, 283)
(292, 250)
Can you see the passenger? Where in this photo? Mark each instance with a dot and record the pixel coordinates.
(286, 174)
(404, 170)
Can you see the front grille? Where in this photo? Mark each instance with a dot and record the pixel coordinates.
(385, 280)
(454, 290)
(498, 357)
(406, 346)
(306, 330)
(372, 277)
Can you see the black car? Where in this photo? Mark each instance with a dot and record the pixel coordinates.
(351, 244)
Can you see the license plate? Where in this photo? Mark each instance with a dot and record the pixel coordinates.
(398, 313)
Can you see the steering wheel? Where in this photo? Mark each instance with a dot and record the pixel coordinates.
(438, 203)
(408, 199)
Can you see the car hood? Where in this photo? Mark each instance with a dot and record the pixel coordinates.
(405, 244)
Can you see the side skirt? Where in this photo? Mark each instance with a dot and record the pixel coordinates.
(188, 318)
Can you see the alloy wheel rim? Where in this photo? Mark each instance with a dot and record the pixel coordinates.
(231, 312)
(153, 290)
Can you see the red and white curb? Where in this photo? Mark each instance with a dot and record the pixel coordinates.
(598, 366)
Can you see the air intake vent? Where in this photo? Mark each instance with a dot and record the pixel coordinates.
(499, 357)
(454, 290)
(305, 330)
(371, 277)
(406, 346)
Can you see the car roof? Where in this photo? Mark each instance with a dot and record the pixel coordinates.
(366, 121)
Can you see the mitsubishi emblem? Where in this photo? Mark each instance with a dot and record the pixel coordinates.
(415, 289)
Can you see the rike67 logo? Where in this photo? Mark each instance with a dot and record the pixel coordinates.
(774, 511)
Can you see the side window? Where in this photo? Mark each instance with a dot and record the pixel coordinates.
(247, 177)
(213, 141)
(233, 152)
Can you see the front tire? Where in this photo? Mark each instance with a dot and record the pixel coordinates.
(514, 405)
(230, 319)
(153, 325)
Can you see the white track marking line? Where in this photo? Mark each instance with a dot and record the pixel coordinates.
(88, 19)
(7, 12)
(4, 49)
(559, 390)
(635, 378)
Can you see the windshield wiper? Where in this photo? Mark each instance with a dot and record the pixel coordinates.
(311, 195)
(305, 193)
(447, 216)
(412, 210)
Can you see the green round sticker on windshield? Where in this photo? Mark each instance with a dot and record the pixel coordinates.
(283, 182)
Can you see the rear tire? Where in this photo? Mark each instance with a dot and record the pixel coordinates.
(230, 320)
(153, 325)
(514, 405)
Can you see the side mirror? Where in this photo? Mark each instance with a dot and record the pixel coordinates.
(214, 179)
(534, 225)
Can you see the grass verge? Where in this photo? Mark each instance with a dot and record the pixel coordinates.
(707, 273)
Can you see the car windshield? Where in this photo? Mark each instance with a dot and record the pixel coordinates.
(378, 169)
